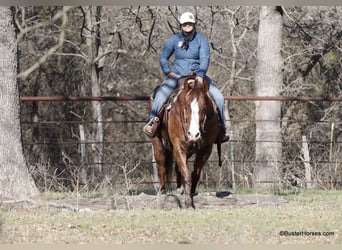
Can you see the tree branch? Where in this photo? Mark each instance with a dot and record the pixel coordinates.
(63, 15)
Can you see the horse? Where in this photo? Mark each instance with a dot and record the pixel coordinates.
(189, 124)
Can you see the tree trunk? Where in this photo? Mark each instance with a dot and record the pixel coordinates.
(94, 43)
(15, 181)
(268, 82)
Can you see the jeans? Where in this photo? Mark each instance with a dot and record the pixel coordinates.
(170, 84)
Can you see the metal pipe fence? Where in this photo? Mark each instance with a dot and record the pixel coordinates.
(145, 98)
(236, 144)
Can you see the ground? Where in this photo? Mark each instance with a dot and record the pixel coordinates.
(255, 218)
(144, 201)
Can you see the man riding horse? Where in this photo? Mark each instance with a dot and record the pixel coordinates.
(191, 57)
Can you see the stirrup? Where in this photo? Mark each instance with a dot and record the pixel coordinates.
(147, 129)
(151, 127)
(225, 138)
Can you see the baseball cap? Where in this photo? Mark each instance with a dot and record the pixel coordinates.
(187, 17)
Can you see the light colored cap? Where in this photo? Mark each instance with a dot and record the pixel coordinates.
(187, 17)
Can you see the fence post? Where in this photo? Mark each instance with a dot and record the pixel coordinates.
(331, 151)
(232, 159)
(84, 161)
(307, 166)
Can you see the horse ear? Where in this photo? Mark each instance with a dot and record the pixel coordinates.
(189, 83)
(180, 82)
(186, 85)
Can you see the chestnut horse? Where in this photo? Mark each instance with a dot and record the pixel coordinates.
(189, 125)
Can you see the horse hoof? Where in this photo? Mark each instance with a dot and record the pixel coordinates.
(189, 204)
(161, 192)
(180, 190)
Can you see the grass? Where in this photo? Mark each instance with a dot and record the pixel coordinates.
(308, 211)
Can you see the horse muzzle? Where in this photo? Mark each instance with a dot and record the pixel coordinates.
(193, 137)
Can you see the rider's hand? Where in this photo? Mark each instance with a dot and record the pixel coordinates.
(172, 74)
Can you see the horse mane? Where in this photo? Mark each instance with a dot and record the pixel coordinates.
(190, 82)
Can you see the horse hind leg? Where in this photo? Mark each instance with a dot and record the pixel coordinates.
(165, 176)
(169, 171)
(201, 158)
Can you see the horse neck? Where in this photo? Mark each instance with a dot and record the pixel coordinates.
(181, 99)
(210, 105)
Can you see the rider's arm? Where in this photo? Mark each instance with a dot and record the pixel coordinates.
(204, 57)
(165, 54)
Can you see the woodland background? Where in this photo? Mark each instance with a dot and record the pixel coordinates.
(55, 49)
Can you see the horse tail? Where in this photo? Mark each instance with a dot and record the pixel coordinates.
(219, 153)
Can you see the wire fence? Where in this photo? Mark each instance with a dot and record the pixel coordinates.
(146, 98)
(238, 154)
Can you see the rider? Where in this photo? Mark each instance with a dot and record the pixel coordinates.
(191, 55)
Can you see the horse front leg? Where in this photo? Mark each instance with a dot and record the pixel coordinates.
(160, 158)
(181, 161)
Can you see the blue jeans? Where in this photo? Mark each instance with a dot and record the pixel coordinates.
(170, 84)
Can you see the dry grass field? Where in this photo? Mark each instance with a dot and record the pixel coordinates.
(307, 217)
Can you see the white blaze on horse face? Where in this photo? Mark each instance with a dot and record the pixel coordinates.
(194, 128)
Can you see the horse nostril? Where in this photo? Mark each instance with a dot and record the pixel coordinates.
(192, 137)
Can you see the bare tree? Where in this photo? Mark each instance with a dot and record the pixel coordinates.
(268, 82)
(93, 41)
(125, 60)
(15, 181)
(312, 59)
